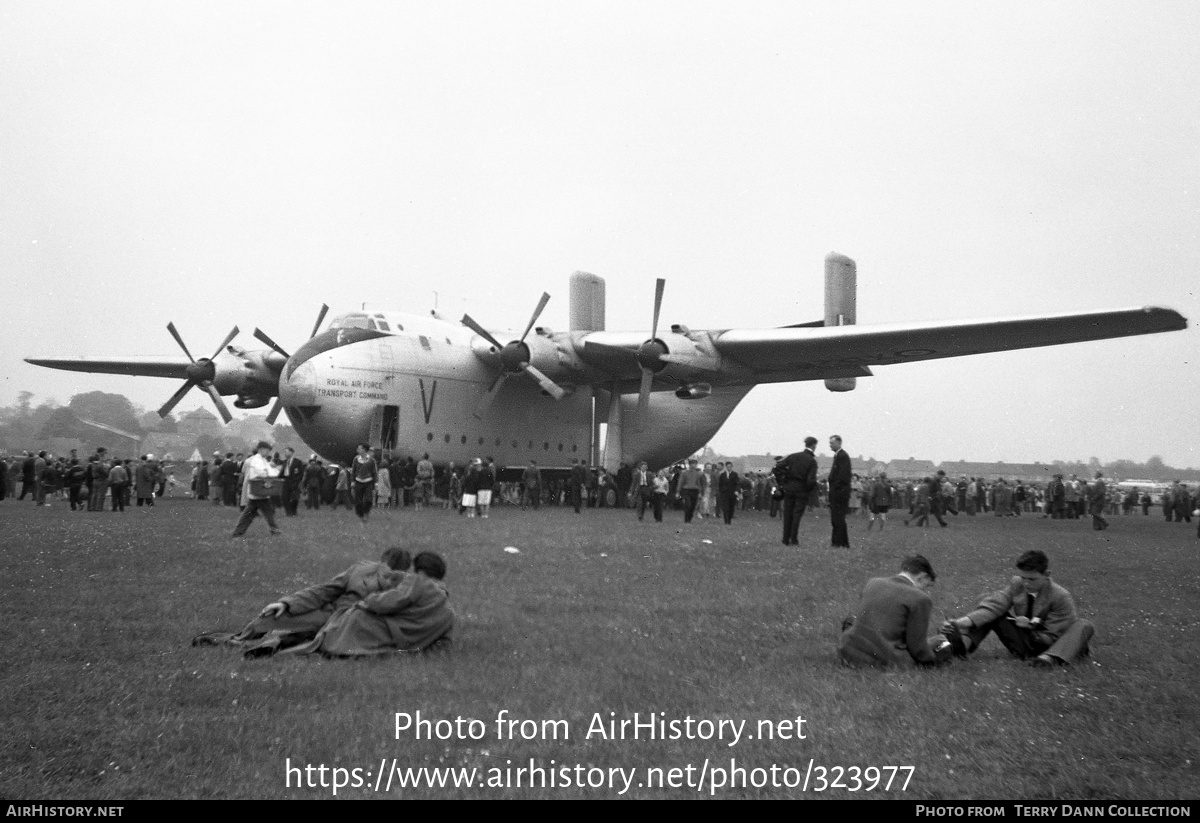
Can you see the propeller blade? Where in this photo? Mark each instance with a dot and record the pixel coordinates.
(320, 318)
(536, 314)
(274, 412)
(485, 402)
(179, 340)
(176, 397)
(659, 285)
(481, 331)
(217, 401)
(548, 386)
(225, 343)
(262, 335)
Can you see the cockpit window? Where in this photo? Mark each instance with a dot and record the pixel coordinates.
(382, 325)
(351, 321)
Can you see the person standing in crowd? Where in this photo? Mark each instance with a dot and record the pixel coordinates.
(424, 481)
(214, 479)
(383, 485)
(487, 484)
(579, 480)
(689, 488)
(366, 471)
(145, 476)
(201, 481)
(797, 477)
(1096, 495)
(118, 482)
(257, 468)
(229, 473)
(292, 474)
(643, 485)
(531, 486)
(98, 472)
(659, 486)
(839, 492)
(470, 487)
(728, 485)
(880, 501)
(314, 473)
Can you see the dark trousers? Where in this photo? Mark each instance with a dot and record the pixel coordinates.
(253, 507)
(291, 497)
(645, 498)
(1023, 643)
(364, 496)
(690, 498)
(793, 509)
(77, 496)
(27, 488)
(839, 505)
(728, 506)
(313, 499)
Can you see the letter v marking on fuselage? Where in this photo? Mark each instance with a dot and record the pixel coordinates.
(427, 407)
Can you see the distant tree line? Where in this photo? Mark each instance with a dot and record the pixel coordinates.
(101, 418)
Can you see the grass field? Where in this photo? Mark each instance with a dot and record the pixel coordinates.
(104, 698)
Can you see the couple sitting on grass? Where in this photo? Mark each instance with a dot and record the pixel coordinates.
(372, 608)
(1033, 617)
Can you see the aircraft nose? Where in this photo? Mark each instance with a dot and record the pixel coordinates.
(298, 391)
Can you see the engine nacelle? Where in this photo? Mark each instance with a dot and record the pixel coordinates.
(841, 383)
(251, 402)
(693, 391)
(248, 374)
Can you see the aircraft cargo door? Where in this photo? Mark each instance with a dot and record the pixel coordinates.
(385, 427)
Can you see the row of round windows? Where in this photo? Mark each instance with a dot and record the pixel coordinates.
(515, 443)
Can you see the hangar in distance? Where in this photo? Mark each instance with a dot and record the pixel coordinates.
(414, 383)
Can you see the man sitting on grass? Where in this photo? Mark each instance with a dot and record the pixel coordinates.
(1033, 617)
(413, 616)
(892, 623)
(301, 615)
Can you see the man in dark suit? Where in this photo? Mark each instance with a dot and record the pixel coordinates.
(797, 477)
(728, 484)
(292, 474)
(1033, 617)
(892, 622)
(579, 481)
(839, 492)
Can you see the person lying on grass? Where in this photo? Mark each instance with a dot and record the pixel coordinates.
(304, 613)
(413, 616)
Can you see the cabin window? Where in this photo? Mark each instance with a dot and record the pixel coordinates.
(383, 326)
(425, 343)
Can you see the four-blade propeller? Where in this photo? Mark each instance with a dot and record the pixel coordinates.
(199, 373)
(514, 358)
(262, 335)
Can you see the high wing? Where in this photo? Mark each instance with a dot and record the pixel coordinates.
(815, 352)
(140, 367)
(799, 353)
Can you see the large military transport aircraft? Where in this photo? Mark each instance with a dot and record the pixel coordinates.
(416, 383)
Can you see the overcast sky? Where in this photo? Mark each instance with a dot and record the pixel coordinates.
(241, 163)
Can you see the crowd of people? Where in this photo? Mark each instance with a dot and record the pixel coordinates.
(715, 489)
(102, 482)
